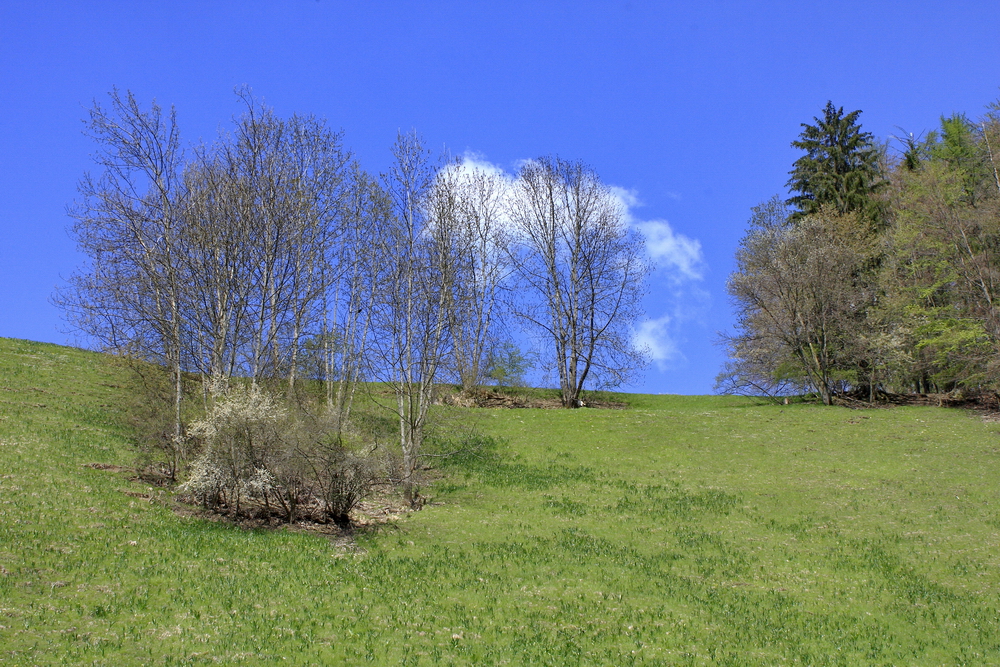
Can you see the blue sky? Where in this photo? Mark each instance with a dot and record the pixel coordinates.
(687, 108)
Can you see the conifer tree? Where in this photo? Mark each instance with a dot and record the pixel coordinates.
(840, 170)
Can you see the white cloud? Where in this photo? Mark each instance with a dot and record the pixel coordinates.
(629, 199)
(472, 161)
(678, 254)
(680, 264)
(654, 336)
(493, 186)
(672, 250)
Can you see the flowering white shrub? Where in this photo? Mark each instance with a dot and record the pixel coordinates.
(241, 436)
(252, 449)
(260, 483)
(206, 482)
(241, 412)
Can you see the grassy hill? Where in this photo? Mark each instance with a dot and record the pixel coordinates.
(684, 530)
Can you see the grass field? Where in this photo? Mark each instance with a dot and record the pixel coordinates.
(684, 530)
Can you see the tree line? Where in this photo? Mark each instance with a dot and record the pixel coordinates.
(271, 257)
(880, 274)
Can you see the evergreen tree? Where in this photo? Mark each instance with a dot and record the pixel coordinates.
(840, 170)
(961, 147)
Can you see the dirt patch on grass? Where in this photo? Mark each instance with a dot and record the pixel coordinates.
(108, 467)
(151, 475)
(986, 402)
(492, 398)
(379, 512)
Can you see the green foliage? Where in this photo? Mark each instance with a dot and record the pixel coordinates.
(942, 268)
(508, 366)
(960, 146)
(840, 170)
(957, 349)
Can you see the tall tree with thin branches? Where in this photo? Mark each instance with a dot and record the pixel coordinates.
(411, 307)
(581, 272)
(129, 295)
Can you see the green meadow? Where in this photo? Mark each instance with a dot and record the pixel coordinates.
(678, 531)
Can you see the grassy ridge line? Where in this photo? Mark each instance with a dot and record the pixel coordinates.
(686, 530)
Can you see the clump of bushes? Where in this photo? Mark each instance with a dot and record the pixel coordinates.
(260, 458)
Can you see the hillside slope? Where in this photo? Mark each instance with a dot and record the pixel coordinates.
(685, 530)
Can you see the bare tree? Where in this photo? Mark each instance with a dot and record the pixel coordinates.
(581, 272)
(129, 295)
(411, 309)
(354, 272)
(800, 307)
(219, 266)
(263, 216)
(216, 264)
(288, 175)
(468, 209)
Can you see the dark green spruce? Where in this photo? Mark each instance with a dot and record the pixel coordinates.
(840, 170)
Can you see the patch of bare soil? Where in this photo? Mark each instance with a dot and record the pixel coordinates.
(987, 403)
(154, 476)
(109, 467)
(491, 398)
(150, 475)
(379, 512)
